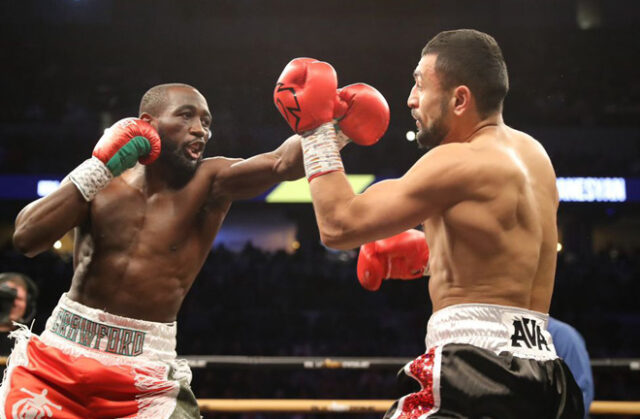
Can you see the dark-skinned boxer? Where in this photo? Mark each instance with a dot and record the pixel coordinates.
(146, 208)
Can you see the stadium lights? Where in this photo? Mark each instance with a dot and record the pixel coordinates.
(411, 136)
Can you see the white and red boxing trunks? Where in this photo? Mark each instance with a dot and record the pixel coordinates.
(488, 361)
(92, 364)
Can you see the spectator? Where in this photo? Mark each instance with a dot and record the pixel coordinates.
(17, 305)
(570, 346)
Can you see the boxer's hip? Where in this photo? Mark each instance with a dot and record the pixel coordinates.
(76, 328)
(89, 361)
(496, 328)
(463, 380)
(485, 360)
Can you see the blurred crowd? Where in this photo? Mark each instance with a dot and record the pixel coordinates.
(568, 90)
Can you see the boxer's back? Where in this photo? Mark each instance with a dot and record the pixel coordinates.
(498, 246)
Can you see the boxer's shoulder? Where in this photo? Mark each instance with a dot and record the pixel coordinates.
(454, 164)
(214, 166)
(213, 171)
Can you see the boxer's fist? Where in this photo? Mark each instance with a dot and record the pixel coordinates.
(305, 93)
(127, 141)
(403, 256)
(362, 113)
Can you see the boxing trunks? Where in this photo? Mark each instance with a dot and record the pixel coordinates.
(92, 364)
(488, 361)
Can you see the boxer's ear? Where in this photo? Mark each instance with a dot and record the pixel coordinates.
(148, 118)
(145, 116)
(462, 99)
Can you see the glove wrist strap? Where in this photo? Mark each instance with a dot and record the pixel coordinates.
(341, 138)
(321, 152)
(90, 177)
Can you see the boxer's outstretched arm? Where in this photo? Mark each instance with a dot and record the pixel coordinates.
(247, 178)
(46, 220)
(439, 180)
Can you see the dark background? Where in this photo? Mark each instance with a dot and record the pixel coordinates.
(70, 68)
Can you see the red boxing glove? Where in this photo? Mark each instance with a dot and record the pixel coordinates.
(362, 112)
(305, 93)
(403, 256)
(127, 141)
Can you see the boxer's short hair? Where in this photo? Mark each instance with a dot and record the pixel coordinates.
(472, 58)
(155, 99)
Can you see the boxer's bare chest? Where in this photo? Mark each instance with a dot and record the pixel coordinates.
(139, 244)
(122, 215)
(153, 232)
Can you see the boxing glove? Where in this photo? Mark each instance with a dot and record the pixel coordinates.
(120, 147)
(305, 94)
(303, 97)
(362, 113)
(403, 256)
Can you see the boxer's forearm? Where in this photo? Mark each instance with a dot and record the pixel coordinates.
(289, 164)
(46, 220)
(332, 202)
(347, 220)
(251, 177)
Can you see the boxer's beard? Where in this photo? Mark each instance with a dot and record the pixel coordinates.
(173, 157)
(429, 137)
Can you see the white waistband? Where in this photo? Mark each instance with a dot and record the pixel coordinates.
(74, 323)
(494, 327)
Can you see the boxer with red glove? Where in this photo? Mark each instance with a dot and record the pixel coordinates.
(128, 141)
(403, 256)
(307, 98)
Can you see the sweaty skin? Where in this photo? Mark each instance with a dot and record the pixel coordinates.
(141, 242)
(486, 197)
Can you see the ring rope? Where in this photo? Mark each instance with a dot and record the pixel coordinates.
(295, 362)
(302, 362)
(362, 406)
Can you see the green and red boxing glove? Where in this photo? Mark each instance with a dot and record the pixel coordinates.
(124, 144)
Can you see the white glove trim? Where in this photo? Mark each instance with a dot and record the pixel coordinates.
(90, 177)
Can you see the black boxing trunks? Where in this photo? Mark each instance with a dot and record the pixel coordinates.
(92, 364)
(488, 361)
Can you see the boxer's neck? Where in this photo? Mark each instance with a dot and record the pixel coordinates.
(468, 130)
(154, 178)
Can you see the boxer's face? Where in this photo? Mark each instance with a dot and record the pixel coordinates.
(184, 125)
(429, 104)
(19, 304)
